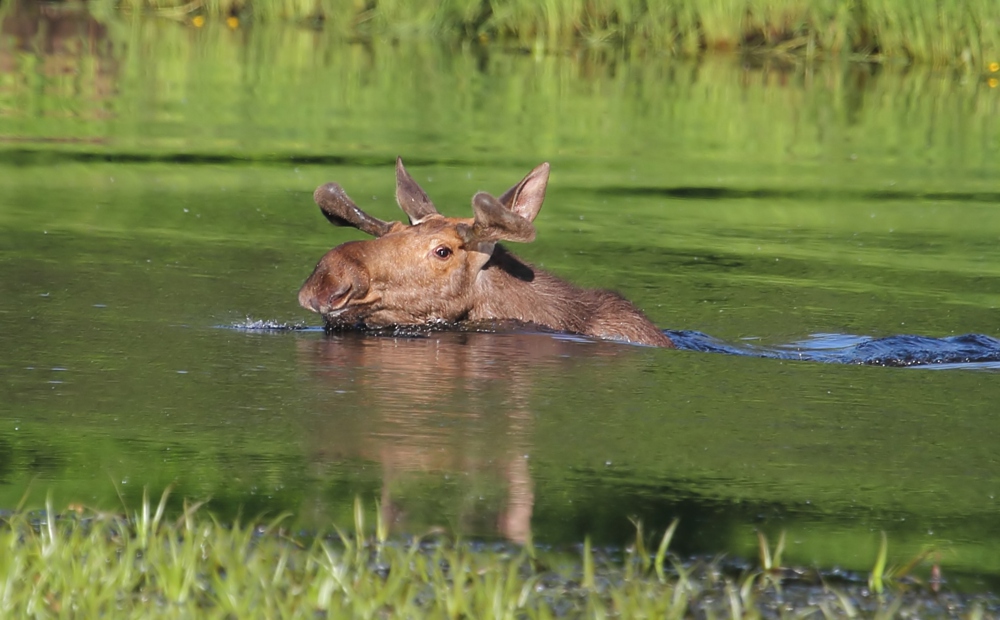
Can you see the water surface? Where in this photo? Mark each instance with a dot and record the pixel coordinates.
(155, 190)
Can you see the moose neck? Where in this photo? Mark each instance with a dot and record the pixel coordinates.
(511, 289)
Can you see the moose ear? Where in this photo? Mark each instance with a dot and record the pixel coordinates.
(341, 211)
(411, 198)
(494, 222)
(526, 197)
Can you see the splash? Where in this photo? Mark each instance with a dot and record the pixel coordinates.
(265, 325)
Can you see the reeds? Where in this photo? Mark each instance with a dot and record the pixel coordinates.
(940, 32)
(83, 564)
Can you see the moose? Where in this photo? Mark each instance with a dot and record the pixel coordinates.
(444, 270)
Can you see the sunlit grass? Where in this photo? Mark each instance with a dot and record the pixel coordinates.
(947, 31)
(85, 564)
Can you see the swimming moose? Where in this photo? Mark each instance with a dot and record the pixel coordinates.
(442, 269)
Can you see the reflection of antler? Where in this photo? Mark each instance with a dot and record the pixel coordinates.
(451, 402)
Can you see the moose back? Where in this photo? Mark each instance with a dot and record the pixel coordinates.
(439, 269)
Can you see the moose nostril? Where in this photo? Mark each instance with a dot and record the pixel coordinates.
(339, 294)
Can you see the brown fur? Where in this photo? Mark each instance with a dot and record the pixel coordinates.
(441, 269)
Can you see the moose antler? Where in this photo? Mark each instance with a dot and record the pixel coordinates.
(341, 211)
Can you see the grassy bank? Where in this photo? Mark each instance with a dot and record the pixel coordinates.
(945, 32)
(90, 565)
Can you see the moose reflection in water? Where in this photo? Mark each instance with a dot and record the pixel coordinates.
(440, 269)
(454, 404)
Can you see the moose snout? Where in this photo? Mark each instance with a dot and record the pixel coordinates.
(308, 299)
(334, 285)
(326, 297)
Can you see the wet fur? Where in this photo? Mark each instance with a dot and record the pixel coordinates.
(532, 295)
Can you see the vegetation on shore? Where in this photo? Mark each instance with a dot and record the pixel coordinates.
(942, 32)
(84, 564)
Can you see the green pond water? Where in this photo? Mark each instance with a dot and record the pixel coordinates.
(155, 191)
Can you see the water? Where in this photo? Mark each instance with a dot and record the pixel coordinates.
(155, 192)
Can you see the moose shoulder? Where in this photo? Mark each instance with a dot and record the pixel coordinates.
(445, 269)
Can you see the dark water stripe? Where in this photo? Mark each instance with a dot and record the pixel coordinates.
(967, 351)
(38, 156)
(31, 157)
(725, 193)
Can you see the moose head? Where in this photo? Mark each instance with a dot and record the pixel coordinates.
(423, 272)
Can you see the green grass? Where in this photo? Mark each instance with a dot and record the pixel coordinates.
(942, 32)
(82, 564)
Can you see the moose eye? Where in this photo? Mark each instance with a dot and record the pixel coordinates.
(442, 252)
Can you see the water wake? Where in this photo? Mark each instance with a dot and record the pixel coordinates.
(969, 351)
(975, 351)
